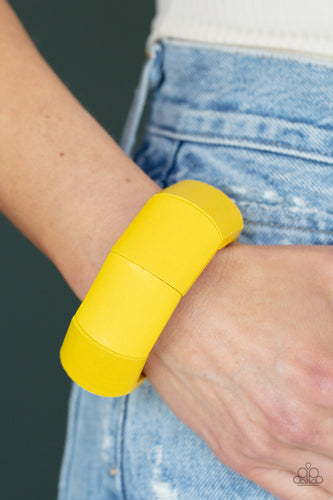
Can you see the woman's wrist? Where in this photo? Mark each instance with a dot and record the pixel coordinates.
(109, 208)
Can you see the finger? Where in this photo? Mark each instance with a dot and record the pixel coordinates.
(280, 483)
(308, 469)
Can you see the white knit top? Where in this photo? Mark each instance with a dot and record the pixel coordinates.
(302, 26)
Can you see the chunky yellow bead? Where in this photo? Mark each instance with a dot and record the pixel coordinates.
(149, 269)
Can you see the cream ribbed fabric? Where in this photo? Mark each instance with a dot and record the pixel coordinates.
(303, 26)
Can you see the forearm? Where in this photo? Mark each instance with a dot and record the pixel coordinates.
(63, 181)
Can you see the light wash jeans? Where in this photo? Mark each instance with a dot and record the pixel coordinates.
(259, 126)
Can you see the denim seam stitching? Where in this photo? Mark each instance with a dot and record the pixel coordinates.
(171, 161)
(217, 140)
(121, 431)
(74, 440)
(281, 226)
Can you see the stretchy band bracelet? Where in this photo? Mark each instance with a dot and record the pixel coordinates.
(149, 269)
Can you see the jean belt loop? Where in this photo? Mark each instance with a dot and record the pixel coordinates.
(148, 79)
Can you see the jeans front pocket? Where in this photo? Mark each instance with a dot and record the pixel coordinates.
(284, 199)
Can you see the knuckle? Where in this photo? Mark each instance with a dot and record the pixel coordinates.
(317, 378)
(310, 375)
(322, 387)
(294, 427)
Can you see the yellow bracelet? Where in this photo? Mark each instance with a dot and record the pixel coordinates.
(149, 269)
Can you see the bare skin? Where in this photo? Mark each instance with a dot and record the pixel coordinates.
(246, 362)
(246, 359)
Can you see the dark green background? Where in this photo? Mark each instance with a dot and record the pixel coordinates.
(97, 48)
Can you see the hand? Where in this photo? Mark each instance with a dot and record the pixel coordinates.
(246, 361)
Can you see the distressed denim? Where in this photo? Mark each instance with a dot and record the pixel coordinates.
(259, 126)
